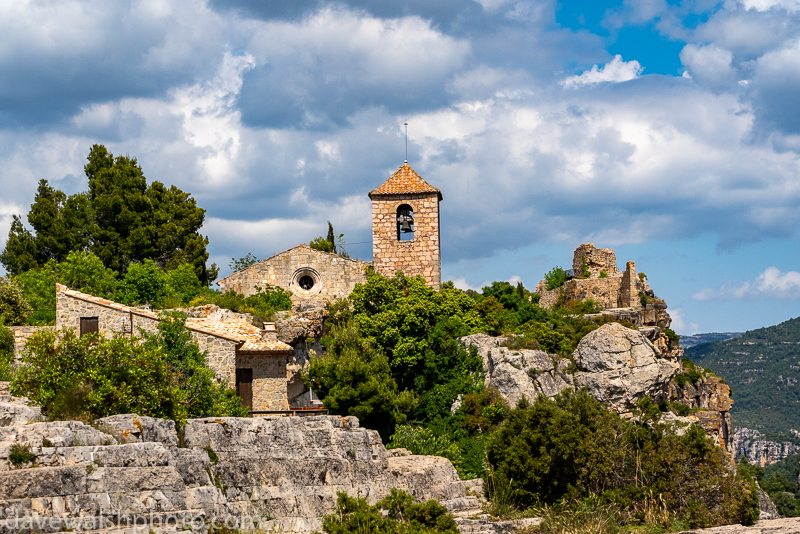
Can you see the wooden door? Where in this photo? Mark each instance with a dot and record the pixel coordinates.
(244, 387)
(90, 325)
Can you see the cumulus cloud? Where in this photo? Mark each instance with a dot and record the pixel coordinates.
(771, 284)
(616, 71)
(680, 324)
(709, 65)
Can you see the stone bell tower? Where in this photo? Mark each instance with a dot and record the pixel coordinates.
(405, 227)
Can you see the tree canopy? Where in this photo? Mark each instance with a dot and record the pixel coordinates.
(121, 219)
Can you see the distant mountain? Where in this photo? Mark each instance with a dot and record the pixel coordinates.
(692, 341)
(762, 367)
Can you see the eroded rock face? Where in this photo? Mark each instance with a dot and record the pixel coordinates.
(520, 373)
(750, 444)
(288, 469)
(617, 365)
(713, 398)
(620, 366)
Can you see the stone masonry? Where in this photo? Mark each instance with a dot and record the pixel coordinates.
(420, 255)
(229, 345)
(334, 276)
(597, 259)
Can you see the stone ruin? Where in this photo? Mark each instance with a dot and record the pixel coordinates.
(595, 276)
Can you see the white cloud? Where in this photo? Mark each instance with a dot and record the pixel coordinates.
(765, 5)
(680, 325)
(771, 284)
(615, 71)
(709, 65)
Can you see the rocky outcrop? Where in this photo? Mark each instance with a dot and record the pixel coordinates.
(711, 399)
(302, 328)
(767, 508)
(283, 472)
(618, 365)
(748, 443)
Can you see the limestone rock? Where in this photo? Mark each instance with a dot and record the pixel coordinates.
(620, 366)
(519, 373)
(789, 525)
(767, 508)
(132, 428)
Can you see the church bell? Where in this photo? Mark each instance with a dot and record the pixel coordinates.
(406, 227)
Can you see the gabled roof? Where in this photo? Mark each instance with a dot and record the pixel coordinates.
(248, 337)
(304, 248)
(405, 181)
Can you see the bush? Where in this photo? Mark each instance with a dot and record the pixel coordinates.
(6, 352)
(402, 516)
(572, 447)
(144, 283)
(89, 377)
(20, 455)
(420, 440)
(671, 335)
(555, 277)
(14, 307)
(603, 274)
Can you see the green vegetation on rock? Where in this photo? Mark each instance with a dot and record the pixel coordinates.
(397, 513)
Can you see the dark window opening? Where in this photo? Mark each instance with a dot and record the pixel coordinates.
(405, 223)
(244, 387)
(306, 282)
(90, 325)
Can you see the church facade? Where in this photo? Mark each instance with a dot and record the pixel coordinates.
(405, 237)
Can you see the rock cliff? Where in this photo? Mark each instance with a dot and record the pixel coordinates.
(749, 444)
(283, 472)
(619, 366)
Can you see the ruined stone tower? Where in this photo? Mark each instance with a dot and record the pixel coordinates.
(405, 227)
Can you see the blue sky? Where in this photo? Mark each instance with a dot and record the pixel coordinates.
(667, 130)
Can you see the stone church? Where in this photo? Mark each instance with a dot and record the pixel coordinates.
(405, 237)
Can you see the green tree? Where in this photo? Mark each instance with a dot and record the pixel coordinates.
(144, 283)
(182, 284)
(89, 377)
(243, 263)
(325, 244)
(14, 307)
(355, 379)
(81, 271)
(202, 394)
(120, 219)
(555, 277)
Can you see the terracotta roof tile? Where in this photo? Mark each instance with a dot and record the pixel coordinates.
(237, 331)
(405, 181)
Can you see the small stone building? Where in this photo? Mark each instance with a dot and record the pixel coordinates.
(405, 227)
(306, 272)
(246, 357)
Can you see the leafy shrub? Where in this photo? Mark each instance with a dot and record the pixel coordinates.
(671, 335)
(14, 307)
(555, 277)
(644, 299)
(420, 440)
(6, 351)
(572, 447)
(20, 455)
(403, 516)
(483, 410)
(603, 274)
(144, 283)
(88, 377)
(642, 276)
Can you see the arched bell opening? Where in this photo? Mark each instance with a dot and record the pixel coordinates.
(405, 223)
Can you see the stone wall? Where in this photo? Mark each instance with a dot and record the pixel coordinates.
(269, 380)
(115, 319)
(419, 256)
(282, 472)
(597, 259)
(334, 276)
(21, 336)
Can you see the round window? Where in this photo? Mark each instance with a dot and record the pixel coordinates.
(306, 282)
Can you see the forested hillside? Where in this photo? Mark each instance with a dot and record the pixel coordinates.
(763, 369)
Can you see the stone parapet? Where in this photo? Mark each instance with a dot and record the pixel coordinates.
(596, 259)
